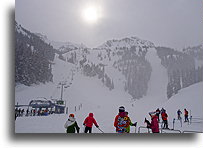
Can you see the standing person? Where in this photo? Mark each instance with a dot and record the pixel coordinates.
(186, 115)
(179, 114)
(71, 125)
(121, 121)
(154, 125)
(165, 119)
(27, 112)
(16, 113)
(158, 113)
(19, 112)
(89, 122)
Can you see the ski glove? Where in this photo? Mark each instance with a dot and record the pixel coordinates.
(97, 126)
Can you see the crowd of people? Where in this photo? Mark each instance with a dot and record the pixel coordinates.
(19, 112)
(122, 121)
(154, 124)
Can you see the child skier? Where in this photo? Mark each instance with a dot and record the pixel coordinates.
(89, 122)
(121, 121)
(131, 124)
(71, 125)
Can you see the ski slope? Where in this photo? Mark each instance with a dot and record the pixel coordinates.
(96, 98)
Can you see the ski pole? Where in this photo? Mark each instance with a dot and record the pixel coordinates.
(100, 129)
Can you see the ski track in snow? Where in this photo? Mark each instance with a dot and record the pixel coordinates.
(97, 98)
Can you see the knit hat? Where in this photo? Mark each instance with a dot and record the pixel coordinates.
(71, 115)
(121, 109)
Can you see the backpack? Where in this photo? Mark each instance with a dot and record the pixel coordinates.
(123, 123)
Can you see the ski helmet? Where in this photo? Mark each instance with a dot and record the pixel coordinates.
(121, 109)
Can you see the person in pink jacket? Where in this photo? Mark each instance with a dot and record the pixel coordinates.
(154, 123)
(89, 122)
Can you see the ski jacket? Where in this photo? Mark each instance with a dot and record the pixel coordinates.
(90, 120)
(179, 112)
(164, 116)
(154, 124)
(71, 125)
(186, 113)
(122, 122)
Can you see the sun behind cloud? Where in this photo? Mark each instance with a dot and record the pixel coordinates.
(91, 14)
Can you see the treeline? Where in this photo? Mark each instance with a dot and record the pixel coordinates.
(136, 69)
(93, 70)
(181, 68)
(33, 58)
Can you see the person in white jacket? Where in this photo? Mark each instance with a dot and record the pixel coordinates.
(71, 125)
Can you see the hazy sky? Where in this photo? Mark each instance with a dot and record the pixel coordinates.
(174, 23)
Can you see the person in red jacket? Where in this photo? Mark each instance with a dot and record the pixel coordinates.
(154, 123)
(89, 122)
(165, 119)
(186, 115)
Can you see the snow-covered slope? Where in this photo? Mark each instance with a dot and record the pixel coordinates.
(85, 94)
(159, 79)
(96, 98)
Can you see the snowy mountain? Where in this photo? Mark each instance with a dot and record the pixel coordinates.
(128, 42)
(33, 58)
(62, 47)
(131, 72)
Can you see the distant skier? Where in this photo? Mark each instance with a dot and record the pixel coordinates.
(158, 113)
(16, 113)
(154, 125)
(71, 125)
(186, 115)
(121, 121)
(179, 114)
(165, 119)
(131, 124)
(27, 112)
(89, 122)
(22, 112)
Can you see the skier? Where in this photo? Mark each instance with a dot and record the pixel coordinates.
(71, 125)
(89, 122)
(131, 124)
(121, 121)
(179, 113)
(22, 112)
(154, 125)
(165, 119)
(27, 112)
(16, 113)
(158, 113)
(186, 115)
